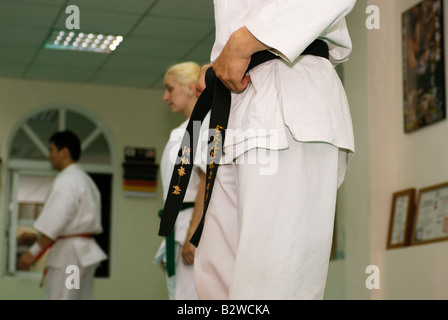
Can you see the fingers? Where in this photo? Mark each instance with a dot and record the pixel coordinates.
(200, 86)
(232, 72)
(188, 259)
(188, 254)
(232, 76)
(245, 82)
(236, 84)
(23, 265)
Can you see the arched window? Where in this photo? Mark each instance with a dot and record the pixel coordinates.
(30, 175)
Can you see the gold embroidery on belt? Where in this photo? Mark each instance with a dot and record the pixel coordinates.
(216, 140)
(181, 171)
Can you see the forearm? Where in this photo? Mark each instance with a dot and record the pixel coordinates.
(44, 241)
(29, 258)
(41, 244)
(245, 44)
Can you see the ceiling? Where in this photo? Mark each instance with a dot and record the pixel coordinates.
(157, 34)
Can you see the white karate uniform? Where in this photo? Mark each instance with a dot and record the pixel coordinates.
(73, 207)
(181, 286)
(268, 229)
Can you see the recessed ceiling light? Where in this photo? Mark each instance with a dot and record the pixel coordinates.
(82, 41)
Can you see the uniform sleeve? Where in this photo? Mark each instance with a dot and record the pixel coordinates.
(59, 209)
(289, 26)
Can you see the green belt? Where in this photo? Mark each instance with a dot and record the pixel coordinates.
(170, 243)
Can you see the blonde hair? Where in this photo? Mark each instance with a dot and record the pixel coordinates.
(185, 73)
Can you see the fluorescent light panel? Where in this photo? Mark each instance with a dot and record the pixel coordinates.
(83, 41)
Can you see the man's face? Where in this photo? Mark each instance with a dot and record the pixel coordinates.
(56, 156)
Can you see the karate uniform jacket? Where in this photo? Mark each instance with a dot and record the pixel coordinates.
(72, 207)
(301, 93)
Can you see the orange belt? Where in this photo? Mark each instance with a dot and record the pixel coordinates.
(78, 235)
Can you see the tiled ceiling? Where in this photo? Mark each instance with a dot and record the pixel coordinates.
(157, 33)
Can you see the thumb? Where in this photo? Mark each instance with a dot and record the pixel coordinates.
(245, 82)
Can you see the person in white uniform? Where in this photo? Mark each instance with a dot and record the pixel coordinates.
(69, 219)
(180, 86)
(268, 230)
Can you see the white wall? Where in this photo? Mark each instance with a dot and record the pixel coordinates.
(346, 279)
(420, 159)
(387, 160)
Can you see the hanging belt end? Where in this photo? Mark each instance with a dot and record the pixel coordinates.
(165, 229)
(164, 232)
(197, 235)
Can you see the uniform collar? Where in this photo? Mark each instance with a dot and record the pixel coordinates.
(71, 167)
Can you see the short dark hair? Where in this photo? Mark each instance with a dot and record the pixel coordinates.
(67, 139)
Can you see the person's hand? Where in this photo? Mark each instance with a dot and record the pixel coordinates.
(231, 65)
(26, 261)
(163, 266)
(26, 238)
(188, 253)
(200, 85)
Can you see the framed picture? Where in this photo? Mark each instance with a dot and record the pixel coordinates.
(423, 65)
(400, 225)
(431, 216)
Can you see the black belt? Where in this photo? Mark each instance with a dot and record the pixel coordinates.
(215, 97)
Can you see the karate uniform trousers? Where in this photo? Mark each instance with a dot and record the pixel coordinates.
(268, 230)
(59, 284)
(269, 236)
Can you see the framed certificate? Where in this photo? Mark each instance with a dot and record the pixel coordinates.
(431, 217)
(400, 225)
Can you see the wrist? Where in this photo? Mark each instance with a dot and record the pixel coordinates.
(246, 42)
(35, 249)
(190, 234)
